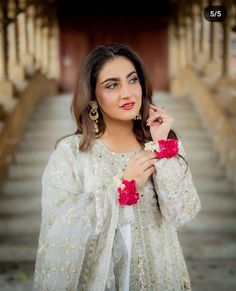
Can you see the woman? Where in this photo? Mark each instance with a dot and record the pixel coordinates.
(115, 192)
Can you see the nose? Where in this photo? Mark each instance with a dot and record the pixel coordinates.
(125, 91)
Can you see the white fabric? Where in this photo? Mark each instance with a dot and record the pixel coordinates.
(126, 233)
(80, 247)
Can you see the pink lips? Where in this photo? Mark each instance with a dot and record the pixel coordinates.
(128, 106)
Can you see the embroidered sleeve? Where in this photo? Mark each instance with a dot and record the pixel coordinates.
(65, 225)
(178, 198)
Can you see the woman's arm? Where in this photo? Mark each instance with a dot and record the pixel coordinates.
(177, 195)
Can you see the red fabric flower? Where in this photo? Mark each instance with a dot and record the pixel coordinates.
(169, 148)
(128, 195)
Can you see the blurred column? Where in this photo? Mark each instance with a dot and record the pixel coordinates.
(16, 71)
(189, 43)
(54, 68)
(196, 30)
(38, 41)
(44, 47)
(6, 87)
(204, 28)
(226, 48)
(23, 40)
(204, 36)
(3, 41)
(182, 44)
(213, 66)
(30, 31)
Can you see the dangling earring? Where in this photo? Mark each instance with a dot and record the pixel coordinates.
(138, 116)
(94, 115)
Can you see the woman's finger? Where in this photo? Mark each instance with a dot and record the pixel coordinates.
(155, 107)
(146, 157)
(147, 164)
(156, 116)
(149, 171)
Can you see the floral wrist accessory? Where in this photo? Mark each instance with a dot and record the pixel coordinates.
(128, 194)
(165, 148)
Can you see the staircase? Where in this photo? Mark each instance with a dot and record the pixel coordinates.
(208, 241)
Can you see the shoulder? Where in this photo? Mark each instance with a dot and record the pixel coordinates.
(69, 143)
(69, 146)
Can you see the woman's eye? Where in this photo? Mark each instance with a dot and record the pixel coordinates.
(112, 86)
(133, 80)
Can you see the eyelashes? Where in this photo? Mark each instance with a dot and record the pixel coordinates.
(115, 84)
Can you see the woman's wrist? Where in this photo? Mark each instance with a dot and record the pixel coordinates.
(165, 148)
(128, 194)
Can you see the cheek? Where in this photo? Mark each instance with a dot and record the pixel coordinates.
(108, 99)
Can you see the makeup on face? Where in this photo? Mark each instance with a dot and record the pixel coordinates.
(118, 88)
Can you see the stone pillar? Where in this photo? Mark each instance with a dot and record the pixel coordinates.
(3, 41)
(38, 42)
(226, 49)
(6, 87)
(54, 66)
(16, 71)
(214, 41)
(196, 30)
(189, 43)
(21, 17)
(45, 48)
(213, 66)
(182, 45)
(30, 32)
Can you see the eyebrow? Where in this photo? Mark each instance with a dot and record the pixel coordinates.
(117, 79)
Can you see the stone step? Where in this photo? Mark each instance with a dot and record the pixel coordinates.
(204, 185)
(66, 126)
(22, 187)
(212, 274)
(17, 253)
(14, 205)
(18, 248)
(208, 245)
(20, 225)
(213, 201)
(217, 223)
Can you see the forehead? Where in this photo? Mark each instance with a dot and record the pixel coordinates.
(116, 67)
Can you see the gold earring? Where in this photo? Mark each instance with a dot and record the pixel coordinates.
(94, 115)
(138, 116)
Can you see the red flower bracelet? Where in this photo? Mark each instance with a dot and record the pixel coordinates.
(164, 148)
(129, 194)
(168, 148)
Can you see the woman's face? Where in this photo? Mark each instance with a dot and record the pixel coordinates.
(118, 84)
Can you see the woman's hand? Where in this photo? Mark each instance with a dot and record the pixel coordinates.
(140, 167)
(160, 122)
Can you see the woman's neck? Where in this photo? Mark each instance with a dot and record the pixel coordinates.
(120, 136)
(119, 130)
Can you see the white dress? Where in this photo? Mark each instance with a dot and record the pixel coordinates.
(89, 242)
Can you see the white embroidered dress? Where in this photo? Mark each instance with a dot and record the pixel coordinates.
(88, 242)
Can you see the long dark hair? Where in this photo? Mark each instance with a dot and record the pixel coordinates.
(85, 93)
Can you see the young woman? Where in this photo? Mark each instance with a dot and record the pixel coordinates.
(115, 192)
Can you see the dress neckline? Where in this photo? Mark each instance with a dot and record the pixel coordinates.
(108, 150)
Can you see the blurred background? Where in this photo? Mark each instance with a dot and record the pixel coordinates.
(192, 65)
